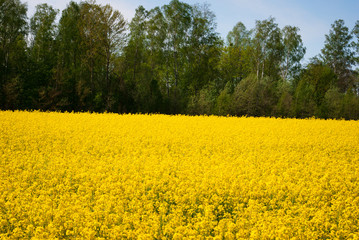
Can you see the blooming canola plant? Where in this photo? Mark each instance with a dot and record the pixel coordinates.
(110, 176)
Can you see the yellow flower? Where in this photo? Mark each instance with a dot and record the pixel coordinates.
(110, 176)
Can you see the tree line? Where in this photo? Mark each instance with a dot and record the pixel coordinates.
(170, 59)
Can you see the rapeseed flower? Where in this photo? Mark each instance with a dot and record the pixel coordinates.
(109, 176)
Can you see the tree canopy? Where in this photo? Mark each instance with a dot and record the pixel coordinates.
(171, 59)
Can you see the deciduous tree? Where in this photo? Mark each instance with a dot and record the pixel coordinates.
(338, 54)
(293, 52)
(13, 31)
(268, 48)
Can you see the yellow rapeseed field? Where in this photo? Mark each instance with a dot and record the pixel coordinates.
(109, 176)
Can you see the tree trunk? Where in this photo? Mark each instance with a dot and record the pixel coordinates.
(263, 65)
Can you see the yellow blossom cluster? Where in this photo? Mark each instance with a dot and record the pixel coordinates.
(109, 176)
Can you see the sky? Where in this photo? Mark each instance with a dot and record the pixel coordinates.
(313, 17)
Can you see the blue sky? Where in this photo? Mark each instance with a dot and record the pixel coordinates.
(313, 17)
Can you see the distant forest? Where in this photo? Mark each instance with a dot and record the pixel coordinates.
(170, 60)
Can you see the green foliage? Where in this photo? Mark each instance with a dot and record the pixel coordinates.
(170, 59)
(293, 52)
(44, 28)
(333, 103)
(304, 105)
(236, 57)
(43, 57)
(139, 74)
(355, 44)
(254, 97)
(350, 105)
(239, 36)
(321, 77)
(338, 54)
(13, 58)
(224, 101)
(203, 102)
(69, 56)
(267, 48)
(285, 101)
(203, 50)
